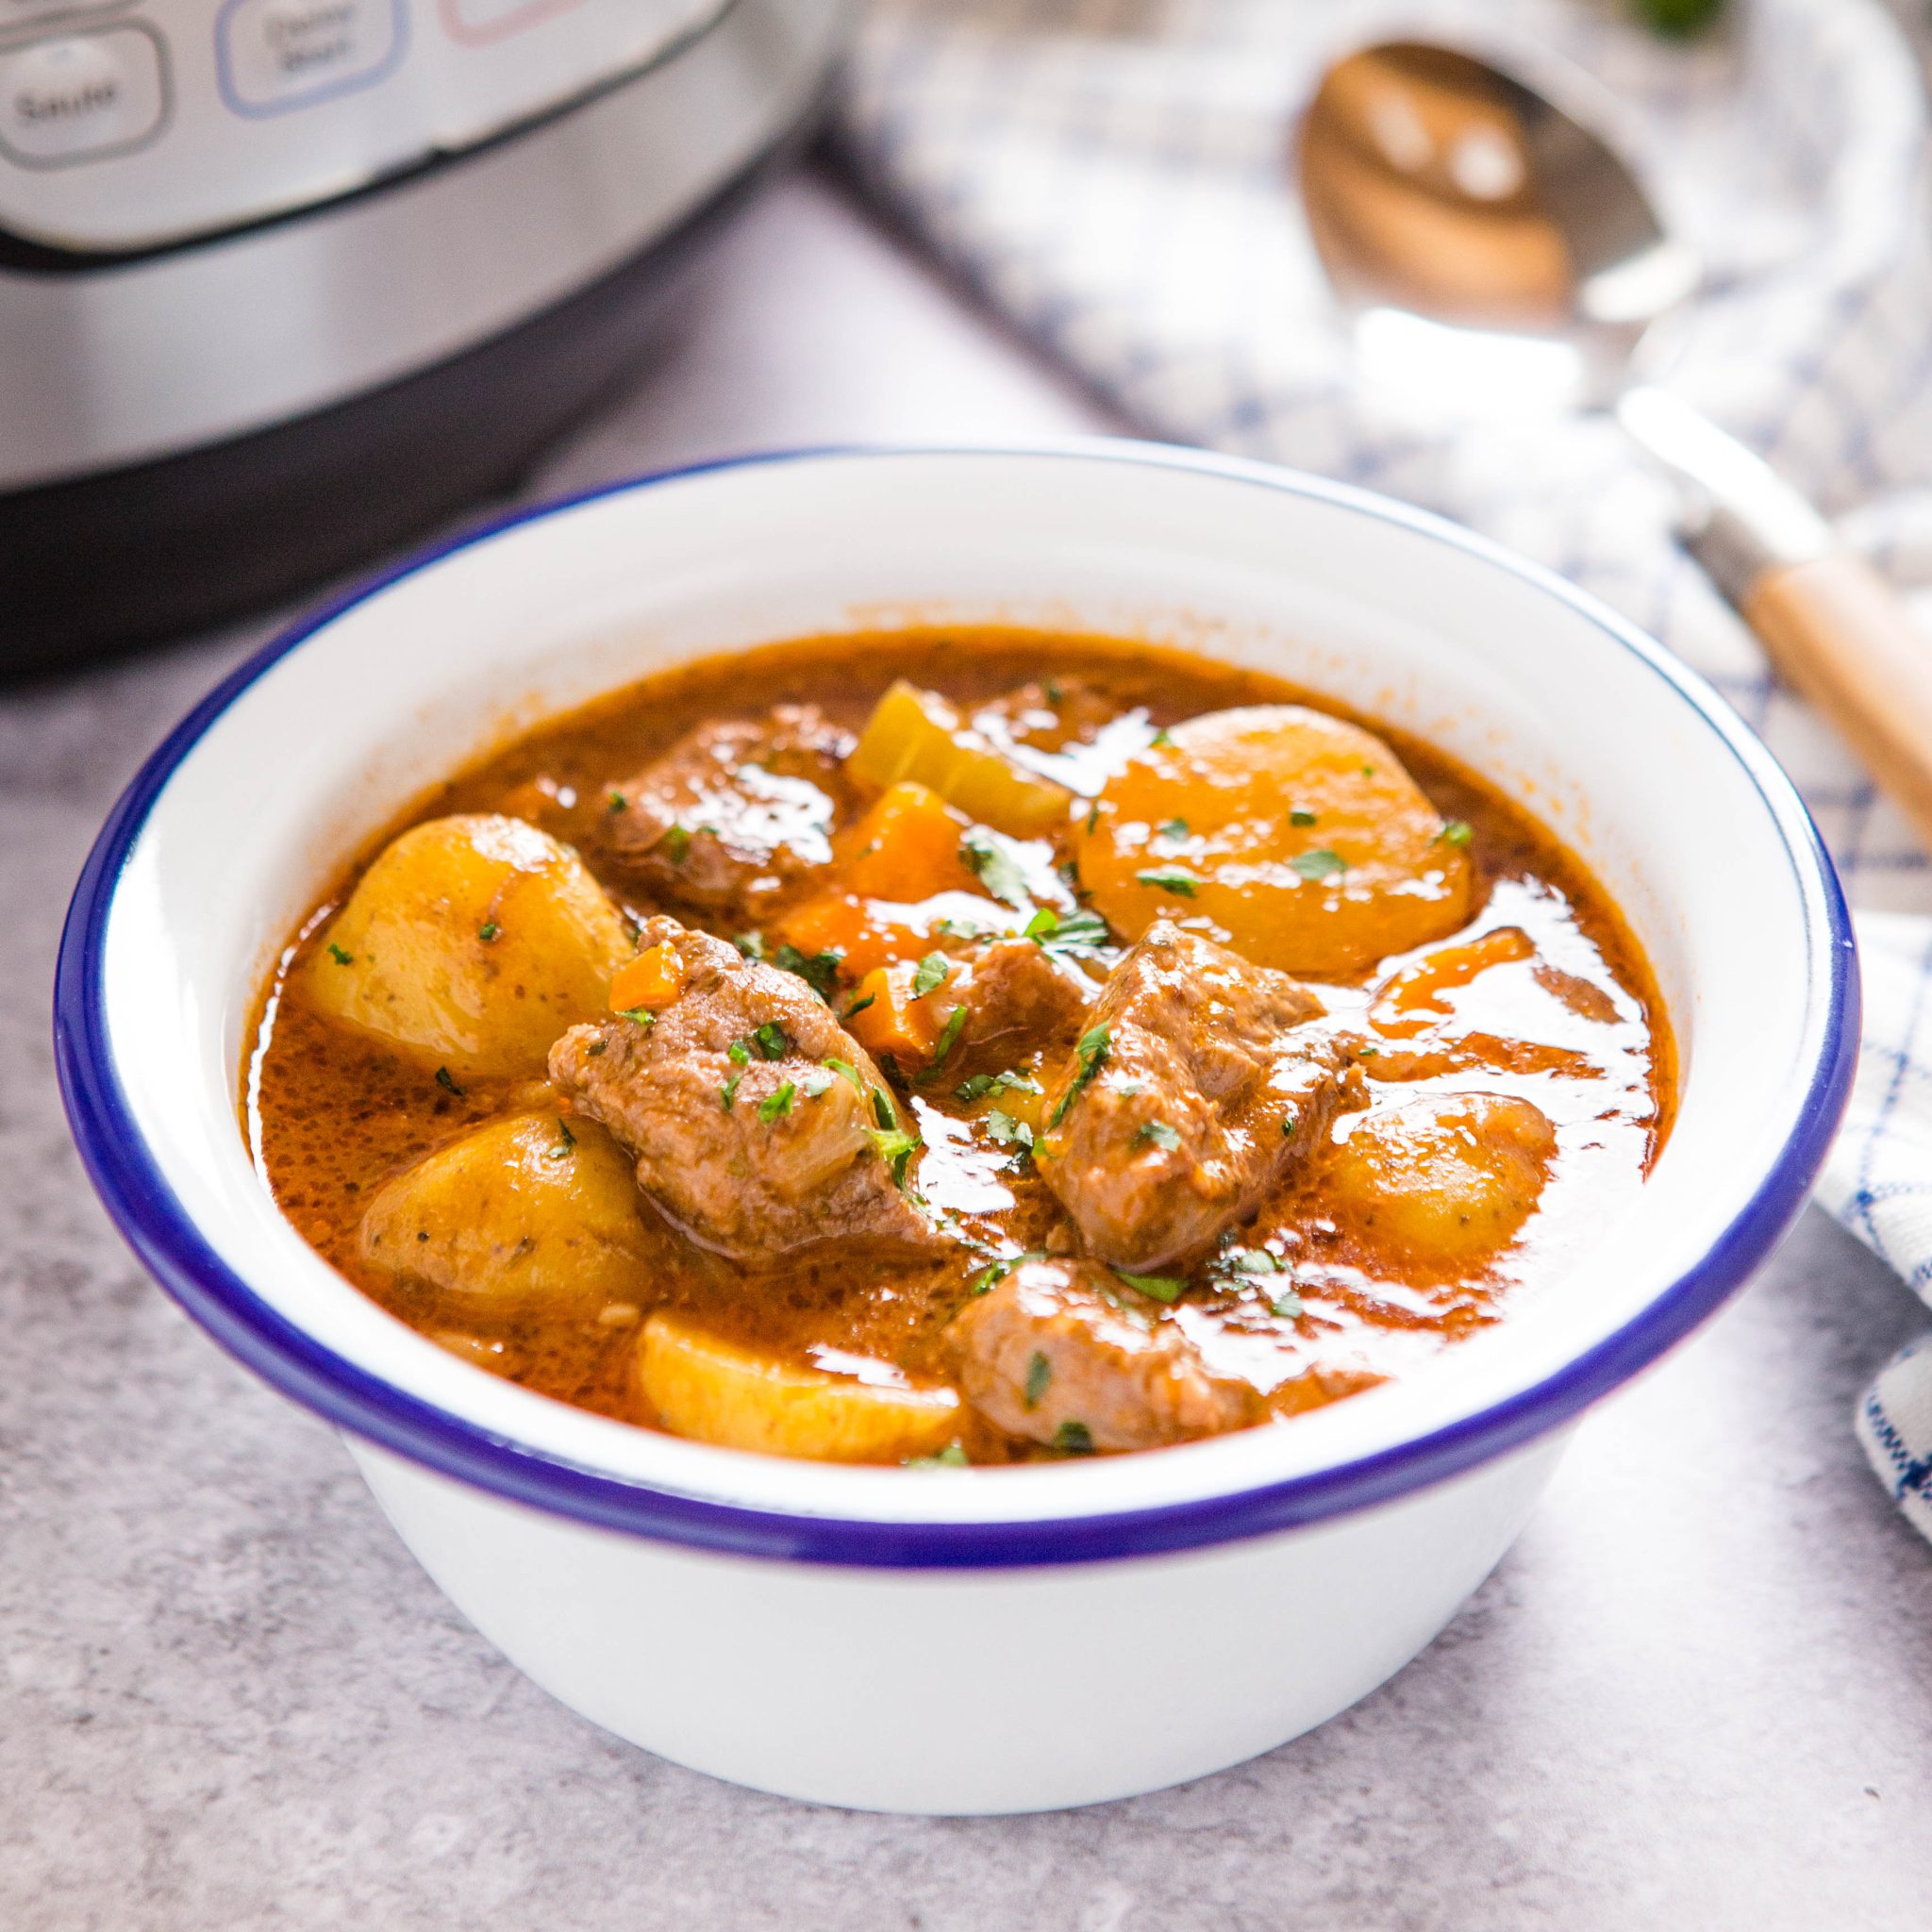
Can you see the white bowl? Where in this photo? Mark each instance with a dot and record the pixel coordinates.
(985, 1640)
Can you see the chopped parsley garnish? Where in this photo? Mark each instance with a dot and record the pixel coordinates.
(998, 1271)
(1454, 832)
(1171, 878)
(1161, 737)
(950, 1456)
(488, 932)
(340, 957)
(1250, 1261)
(1319, 864)
(997, 869)
(820, 970)
(737, 1054)
(949, 1038)
(641, 1016)
(1174, 828)
(1368, 770)
(930, 973)
(1090, 1052)
(1038, 1373)
(1055, 695)
(728, 1093)
(1007, 1131)
(776, 1104)
(447, 1082)
(857, 1007)
(677, 844)
(1092, 818)
(752, 945)
(1076, 1438)
(882, 1108)
(1367, 1053)
(1256, 1265)
(1074, 932)
(1161, 1287)
(772, 1040)
(895, 1148)
(846, 1070)
(1160, 1134)
(1300, 815)
(566, 1140)
(618, 801)
(1290, 1122)
(981, 1084)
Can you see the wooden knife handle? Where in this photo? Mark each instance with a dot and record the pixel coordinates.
(1843, 639)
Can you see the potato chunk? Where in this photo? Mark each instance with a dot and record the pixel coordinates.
(1441, 1183)
(1300, 835)
(917, 735)
(714, 1391)
(518, 1218)
(476, 940)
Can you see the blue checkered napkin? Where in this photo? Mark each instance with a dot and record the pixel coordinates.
(1894, 1423)
(1110, 174)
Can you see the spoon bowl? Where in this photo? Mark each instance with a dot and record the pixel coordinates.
(1495, 253)
(1471, 225)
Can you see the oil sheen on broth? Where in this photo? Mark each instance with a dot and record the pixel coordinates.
(978, 1045)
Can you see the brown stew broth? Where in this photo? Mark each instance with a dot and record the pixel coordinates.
(1580, 1029)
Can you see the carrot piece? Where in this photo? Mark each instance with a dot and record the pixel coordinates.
(888, 1018)
(870, 933)
(652, 980)
(829, 923)
(906, 847)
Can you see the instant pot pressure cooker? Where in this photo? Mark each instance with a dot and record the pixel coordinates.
(282, 280)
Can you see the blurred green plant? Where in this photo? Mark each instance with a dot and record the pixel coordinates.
(1679, 18)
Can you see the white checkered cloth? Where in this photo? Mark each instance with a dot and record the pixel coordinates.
(1110, 174)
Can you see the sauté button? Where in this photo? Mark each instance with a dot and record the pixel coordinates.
(82, 95)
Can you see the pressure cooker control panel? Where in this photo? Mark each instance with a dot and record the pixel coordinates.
(130, 125)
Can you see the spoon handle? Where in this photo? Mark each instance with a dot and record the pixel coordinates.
(1840, 636)
(1837, 633)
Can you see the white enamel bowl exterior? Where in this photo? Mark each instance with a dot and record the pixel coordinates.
(953, 1643)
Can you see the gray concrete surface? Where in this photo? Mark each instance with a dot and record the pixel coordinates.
(1698, 1692)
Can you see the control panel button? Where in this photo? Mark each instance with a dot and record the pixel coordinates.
(476, 20)
(274, 54)
(81, 96)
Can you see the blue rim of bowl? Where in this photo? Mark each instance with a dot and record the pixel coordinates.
(154, 1223)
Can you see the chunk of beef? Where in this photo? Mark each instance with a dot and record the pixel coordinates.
(741, 1133)
(1061, 1353)
(1048, 715)
(1065, 729)
(1021, 1000)
(735, 812)
(1197, 1083)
